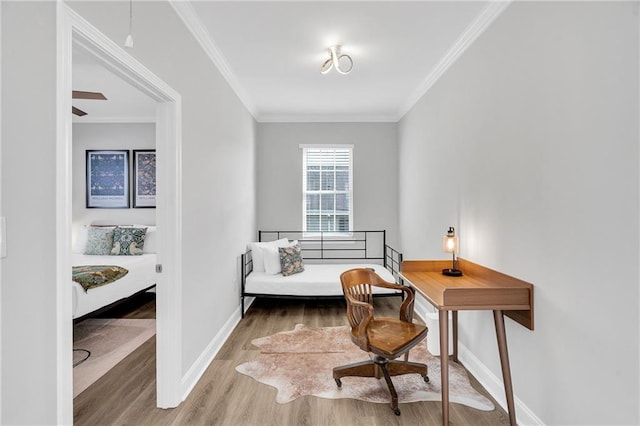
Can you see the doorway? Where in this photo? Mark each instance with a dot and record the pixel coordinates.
(73, 30)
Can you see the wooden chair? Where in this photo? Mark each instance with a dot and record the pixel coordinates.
(386, 338)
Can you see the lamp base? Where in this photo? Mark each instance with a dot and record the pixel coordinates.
(452, 272)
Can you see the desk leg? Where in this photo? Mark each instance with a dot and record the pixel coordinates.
(454, 325)
(444, 363)
(498, 318)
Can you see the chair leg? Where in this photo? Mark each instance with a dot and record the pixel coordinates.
(358, 369)
(398, 368)
(382, 363)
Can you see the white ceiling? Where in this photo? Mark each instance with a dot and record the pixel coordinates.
(124, 102)
(270, 52)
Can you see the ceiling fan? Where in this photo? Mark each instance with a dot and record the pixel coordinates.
(79, 94)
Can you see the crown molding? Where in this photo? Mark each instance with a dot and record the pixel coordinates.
(473, 31)
(326, 119)
(189, 17)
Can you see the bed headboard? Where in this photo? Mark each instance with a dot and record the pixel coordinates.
(331, 247)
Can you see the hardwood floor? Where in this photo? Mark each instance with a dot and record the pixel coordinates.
(126, 395)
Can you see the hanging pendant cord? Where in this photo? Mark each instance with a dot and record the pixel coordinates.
(130, 16)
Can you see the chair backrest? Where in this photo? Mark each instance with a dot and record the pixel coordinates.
(357, 286)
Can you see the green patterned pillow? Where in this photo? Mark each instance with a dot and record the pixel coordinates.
(99, 241)
(291, 260)
(128, 241)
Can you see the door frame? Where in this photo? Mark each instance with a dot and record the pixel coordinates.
(73, 29)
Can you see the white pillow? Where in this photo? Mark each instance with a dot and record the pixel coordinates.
(256, 252)
(271, 255)
(79, 237)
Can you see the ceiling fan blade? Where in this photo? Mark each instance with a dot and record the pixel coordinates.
(79, 94)
(78, 111)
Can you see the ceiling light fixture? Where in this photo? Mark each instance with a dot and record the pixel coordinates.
(129, 41)
(336, 57)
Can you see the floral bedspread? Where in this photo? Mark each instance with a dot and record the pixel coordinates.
(92, 276)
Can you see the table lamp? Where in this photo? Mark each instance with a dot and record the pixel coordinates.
(450, 245)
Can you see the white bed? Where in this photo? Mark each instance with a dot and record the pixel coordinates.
(141, 273)
(316, 280)
(325, 257)
(141, 276)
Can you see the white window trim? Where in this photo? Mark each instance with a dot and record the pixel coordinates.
(348, 234)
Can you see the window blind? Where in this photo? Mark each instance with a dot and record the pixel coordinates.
(327, 187)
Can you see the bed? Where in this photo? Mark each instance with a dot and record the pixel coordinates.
(139, 274)
(325, 256)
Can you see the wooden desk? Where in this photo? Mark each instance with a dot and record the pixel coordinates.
(479, 288)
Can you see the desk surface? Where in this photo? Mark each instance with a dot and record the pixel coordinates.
(479, 288)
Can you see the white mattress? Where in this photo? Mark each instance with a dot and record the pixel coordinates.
(316, 280)
(141, 275)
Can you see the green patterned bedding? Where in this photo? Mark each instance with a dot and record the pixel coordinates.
(92, 276)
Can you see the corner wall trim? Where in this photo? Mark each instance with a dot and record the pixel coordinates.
(477, 27)
(189, 17)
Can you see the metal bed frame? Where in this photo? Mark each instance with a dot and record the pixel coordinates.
(329, 247)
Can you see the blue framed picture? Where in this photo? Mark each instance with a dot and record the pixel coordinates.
(144, 178)
(108, 179)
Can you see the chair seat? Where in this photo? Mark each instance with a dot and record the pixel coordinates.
(391, 338)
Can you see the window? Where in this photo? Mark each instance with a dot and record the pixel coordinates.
(327, 188)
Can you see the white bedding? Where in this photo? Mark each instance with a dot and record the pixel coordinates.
(322, 279)
(141, 275)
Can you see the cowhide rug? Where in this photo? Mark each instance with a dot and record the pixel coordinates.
(300, 362)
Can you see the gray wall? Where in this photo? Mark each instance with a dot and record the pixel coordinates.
(538, 123)
(28, 193)
(218, 168)
(108, 136)
(375, 172)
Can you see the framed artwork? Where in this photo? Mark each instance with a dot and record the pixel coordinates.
(108, 179)
(144, 178)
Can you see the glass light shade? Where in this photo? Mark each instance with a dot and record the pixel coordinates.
(450, 244)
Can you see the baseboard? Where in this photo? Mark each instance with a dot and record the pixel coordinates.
(495, 387)
(191, 378)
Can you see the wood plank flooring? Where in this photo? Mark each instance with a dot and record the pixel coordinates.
(126, 395)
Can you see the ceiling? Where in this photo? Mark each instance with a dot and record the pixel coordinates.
(270, 52)
(124, 102)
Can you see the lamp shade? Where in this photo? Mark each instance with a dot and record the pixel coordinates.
(129, 41)
(450, 242)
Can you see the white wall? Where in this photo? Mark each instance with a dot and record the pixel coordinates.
(375, 173)
(218, 137)
(529, 146)
(108, 136)
(28, 202)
